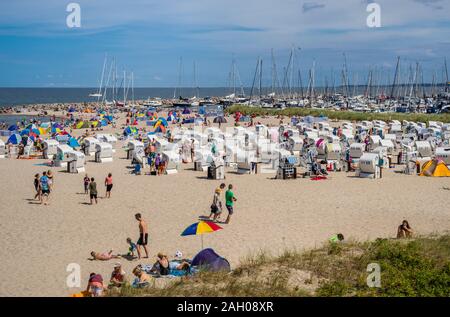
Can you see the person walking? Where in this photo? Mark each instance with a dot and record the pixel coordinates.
(229, 202)
(93, 191)
(109, 185)
(37, 187)
(143, 235)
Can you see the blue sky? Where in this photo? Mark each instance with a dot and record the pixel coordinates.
(148, 37)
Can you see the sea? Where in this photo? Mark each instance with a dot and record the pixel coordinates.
(25, 96)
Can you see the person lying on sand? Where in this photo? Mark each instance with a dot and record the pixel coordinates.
(163, 266)
(104, 256)
(404, 230)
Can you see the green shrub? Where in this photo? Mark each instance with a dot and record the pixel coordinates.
(338, 115)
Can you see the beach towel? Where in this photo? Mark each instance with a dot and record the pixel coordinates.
(318, 178)
(81, 294)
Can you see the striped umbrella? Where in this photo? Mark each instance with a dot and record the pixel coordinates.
(200, 228)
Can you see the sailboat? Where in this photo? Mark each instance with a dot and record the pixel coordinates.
(98, 94)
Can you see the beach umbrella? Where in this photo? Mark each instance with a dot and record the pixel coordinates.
(220, 120)
(43, 130)
(32, 126)
(13, 128)
(45, 125)
(200, 228)
(14, 139)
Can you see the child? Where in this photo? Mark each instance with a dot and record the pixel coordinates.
(404, 230)
(132, 247)
(37, 186)
(337, 238)
(86, 184)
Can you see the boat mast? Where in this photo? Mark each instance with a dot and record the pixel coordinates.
(260, 78)
(447, 83)
(395, 77)
(101, 80)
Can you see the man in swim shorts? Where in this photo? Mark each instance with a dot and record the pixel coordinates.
(143, 235)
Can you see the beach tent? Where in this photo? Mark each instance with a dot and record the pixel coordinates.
(160, 125)
(209, 260)
(63, 138)
(435, 168)
(188, 120)
(71, 110)
(308, 119)
(73, 143)
(43, 130)
(130, 130)
(25, 132)
(219, 120)
(83, 125)
(186, 111)
(55, 130)
(13, 128)
(171, 117)
(14, 139)
(32, 126)
(35, 131)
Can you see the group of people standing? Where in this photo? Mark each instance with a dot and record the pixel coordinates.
(43, 186)
(154, 160)
(90, 187)
(217, 206)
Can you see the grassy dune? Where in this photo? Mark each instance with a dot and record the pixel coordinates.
(417, 267)
(339, 115)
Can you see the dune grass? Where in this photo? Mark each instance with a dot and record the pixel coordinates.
(417, 267)
(339, 115)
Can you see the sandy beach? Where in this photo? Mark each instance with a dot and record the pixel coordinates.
(271, 215)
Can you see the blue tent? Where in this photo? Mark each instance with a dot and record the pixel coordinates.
(13, 128)
(104, 123)
(25, 132)
(209, 260)
(14, 139)
(73, 142)
(130, 130)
